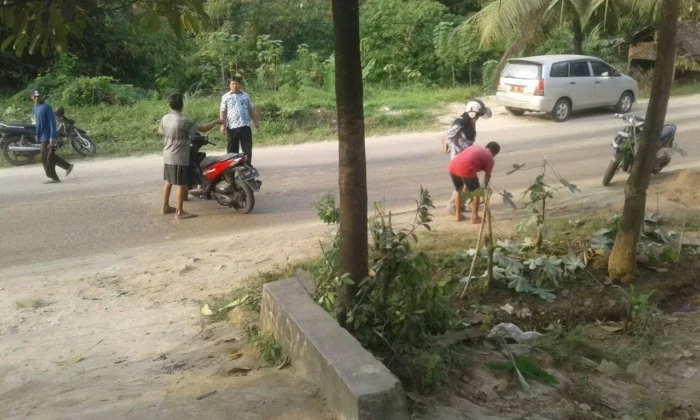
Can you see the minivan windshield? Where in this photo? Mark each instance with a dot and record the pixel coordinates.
(522, 71)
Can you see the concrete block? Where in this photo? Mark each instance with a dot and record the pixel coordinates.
(355, 384)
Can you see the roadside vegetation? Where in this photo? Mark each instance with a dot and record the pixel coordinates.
(529, 318)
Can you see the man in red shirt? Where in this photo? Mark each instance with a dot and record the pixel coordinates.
(464, 168)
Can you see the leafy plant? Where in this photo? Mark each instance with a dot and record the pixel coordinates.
(399, 305)
(539, 275)
(642, 310)
(538, 193)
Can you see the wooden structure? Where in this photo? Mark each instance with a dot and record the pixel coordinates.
(644, 48)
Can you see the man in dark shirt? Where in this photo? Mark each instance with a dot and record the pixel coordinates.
(47, 136)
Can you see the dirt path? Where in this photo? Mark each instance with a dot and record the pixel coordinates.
(120, 335)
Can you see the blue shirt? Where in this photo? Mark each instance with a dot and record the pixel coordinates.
(45, 123)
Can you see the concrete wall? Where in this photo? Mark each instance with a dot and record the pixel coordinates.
(353, 381)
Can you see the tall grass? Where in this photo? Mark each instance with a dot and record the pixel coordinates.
(289, 116)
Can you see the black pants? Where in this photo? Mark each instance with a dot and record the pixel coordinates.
(50, 159)
(243, 137)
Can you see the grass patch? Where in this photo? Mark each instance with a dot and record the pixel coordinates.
(269, 351)
(32, 304)
(252, 288)
(289, 117)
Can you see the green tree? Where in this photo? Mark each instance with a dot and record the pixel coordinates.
(401, 33)
(38, 25)
(456, 47)
(526, 23)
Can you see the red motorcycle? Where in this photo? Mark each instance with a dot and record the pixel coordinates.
(227, 179)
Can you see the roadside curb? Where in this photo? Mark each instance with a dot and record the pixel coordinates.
(355, 384)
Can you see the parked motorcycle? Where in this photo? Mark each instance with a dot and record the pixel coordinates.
(227, 179)
(625, 145)
(19, 144)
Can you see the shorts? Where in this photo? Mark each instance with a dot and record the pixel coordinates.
(472, 184)
(176, 174)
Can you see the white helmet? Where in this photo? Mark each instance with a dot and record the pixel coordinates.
(476, 108)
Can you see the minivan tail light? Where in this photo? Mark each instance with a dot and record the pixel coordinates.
(539, 90)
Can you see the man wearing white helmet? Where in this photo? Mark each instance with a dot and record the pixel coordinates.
(462, 134)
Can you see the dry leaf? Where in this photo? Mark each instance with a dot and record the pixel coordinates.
(68, 362)
(611, 328)
(238, 371)
(206, 310)
(234, 356)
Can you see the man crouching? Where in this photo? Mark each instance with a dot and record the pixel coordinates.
(176, 131)
(463, 170)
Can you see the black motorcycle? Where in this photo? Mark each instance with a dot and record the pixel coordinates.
(625, 145)
(19, 144)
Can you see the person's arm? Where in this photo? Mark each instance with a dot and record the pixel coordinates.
(222, 113)
(53, 130)
(488, 169)
(253, 113)
(203, 128)
(451, 139)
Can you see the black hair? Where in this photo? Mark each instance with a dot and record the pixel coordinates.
(493, 147)
(176, 102)
(237, 79)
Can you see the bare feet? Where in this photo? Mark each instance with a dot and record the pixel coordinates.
(476, 221)
(459, 218)
(168, 210)
(185, 215)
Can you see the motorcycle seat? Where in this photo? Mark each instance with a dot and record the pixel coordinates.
(668, 132)
(19, 128)
(210, 160)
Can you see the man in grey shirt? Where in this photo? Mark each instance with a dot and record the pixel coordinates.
(176, 131)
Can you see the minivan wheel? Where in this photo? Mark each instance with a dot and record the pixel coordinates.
(624, 105)
(561, 110)
(515, 111)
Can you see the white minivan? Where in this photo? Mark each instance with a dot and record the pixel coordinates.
(560, 84)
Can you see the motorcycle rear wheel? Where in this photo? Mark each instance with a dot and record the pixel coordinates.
(13, 158)
(248, 204)
(610, 172)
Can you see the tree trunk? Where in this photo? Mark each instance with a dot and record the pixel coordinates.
(622, 262)
(352, 166)
(578, 35)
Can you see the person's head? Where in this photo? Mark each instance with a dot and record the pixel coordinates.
(37, 98)
(493, 147)
(235, 84)
(476, 109)
(175, 102)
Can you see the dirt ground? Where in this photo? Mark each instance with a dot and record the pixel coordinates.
(120, 336)
(602, 371)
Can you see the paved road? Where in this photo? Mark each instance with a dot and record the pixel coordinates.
(107, 205)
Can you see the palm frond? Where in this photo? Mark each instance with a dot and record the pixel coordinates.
(502, 19)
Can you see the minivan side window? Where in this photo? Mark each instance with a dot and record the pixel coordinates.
(579, 69)
(599, 68)
(559, 70)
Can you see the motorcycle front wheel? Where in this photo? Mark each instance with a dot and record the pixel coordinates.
(16, 158)
(610, 172)
(244, 198)
(83, 144)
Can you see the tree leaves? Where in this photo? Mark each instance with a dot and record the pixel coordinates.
(34, 27)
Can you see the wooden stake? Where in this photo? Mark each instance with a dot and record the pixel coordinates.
(478, 242)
